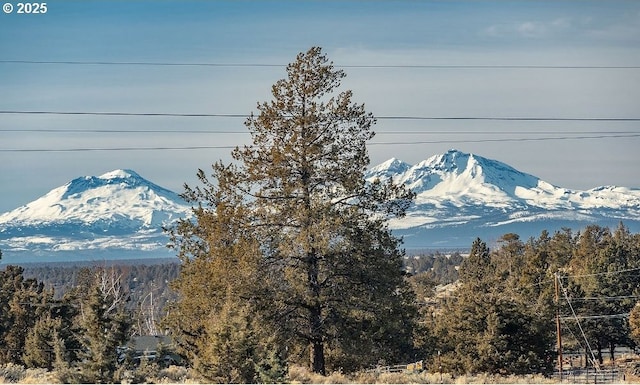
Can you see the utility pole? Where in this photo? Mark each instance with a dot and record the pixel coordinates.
(558, 329)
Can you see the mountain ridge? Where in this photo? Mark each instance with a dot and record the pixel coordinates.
(459, 197)
(119, 193)
(118, 213)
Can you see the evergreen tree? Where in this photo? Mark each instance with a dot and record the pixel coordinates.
(104, 323)
(509, 258)
(606, 276)
(484, 327)
(478, 270)
(40, 343)
(634, 323)
(22, 302)
(221, 271)
(230, 354)
(297, 207)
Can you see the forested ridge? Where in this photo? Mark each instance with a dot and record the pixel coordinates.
(498, 316)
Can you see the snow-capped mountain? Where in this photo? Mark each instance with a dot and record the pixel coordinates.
(119, 212)
(461, 196)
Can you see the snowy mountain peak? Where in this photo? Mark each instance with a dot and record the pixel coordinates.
(460, 178)
(389, 168)
(452, 159)
(460, 196)
(120, 198)
(118, 179)
(121, 173)
(116, 213)
(459, 172)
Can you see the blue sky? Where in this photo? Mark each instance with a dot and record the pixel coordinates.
(352, 33)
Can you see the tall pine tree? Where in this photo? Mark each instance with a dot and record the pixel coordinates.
(297, 207)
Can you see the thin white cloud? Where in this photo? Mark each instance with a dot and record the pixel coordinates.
(625, 30)
(532, 29)
(562, 22)
(621, 29)
(529, 28)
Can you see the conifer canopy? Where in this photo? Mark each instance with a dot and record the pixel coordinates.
(292, 231)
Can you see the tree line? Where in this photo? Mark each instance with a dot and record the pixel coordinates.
(79, 320)
(78, 335)
(146, 285)
(502, 317)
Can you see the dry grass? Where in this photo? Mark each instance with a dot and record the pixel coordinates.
(39, 376)
(11, 373)
(176, 375)
(297, 375)
(16, 374)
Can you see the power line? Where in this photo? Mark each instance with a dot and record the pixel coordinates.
(100, 149)
(582, 137)
(606, 316)
(161, 148)
(564, 319)
(121, 131)
(575, 317)
(381, 132)
(382, 117)
(138, 63)
(105, 113)
(508, 118)
(604, 273)
(258, 65)
(606, 298)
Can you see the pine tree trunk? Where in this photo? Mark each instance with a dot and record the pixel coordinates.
(315, 313)
(612, 351)
(315, 317)
(318, 357)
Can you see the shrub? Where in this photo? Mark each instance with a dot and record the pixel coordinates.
(39, 376)
(178, 374)
(12, 373)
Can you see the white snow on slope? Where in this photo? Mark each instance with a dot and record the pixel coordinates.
(120, 196)
(460, 196)
(469, 192)
(458, 179)
(107, 215)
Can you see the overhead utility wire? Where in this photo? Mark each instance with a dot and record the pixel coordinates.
(382, 117)
(108, 113)
(97, 149)
(605, 273)
(381, 132)
(582, 137)
(621, 315)
(564, 321)
(373, 66)
(90, 149)
(606, 298)
(573, 312)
